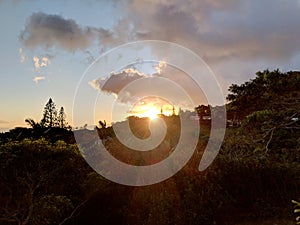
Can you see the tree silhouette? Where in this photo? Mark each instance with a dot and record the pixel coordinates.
(203, 110)
(102, 124)
(271, 90)
(62, 123)
(32, 123)
(50, 114)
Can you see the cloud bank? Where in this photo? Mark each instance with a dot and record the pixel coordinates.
(117, 82)
(235, 38)
(217, 30)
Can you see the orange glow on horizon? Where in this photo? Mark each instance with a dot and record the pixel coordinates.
(151, 113)
(151, 108)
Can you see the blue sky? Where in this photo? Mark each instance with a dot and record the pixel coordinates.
(235, 38)
(20, 96)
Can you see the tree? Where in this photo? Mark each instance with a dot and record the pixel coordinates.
(32, 123)
(269, 109)
(203, 110)
(271, 90)
(102, 124)
(62, 123)
(50, 114)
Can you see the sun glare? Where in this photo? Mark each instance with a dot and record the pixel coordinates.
(152, 108)
(151, 113)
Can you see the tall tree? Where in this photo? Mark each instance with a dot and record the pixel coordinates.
(50, 114)
(62, 123)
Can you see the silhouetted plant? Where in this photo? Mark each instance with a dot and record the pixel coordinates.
(50, 114)
(297, 210)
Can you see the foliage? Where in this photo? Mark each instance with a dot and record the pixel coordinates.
(203, 110)
(270, 109)
(297, 210)
(102, 124)
(33, 124)
(40, 182)
(269, 90)
(51, 209)
(254, 177)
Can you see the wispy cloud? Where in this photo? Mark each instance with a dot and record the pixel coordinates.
(38, 78)
(23, 57)
(162, 64)
(40, 62)
(3, 121)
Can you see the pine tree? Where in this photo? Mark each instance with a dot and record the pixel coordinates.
(50, 115)
(62, 123)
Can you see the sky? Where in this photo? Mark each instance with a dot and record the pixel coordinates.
(48, 46)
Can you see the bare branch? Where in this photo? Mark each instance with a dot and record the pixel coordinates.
(270, 138)
(73, 212)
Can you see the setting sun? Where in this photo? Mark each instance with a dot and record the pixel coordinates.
(151, 113)
(151, 107)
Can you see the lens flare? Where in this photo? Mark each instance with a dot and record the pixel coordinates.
(151, 113)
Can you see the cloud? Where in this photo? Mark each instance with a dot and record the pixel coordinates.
(220, 30)
(38, 78)
(46, 30)
(117, 81)
(162, 64)
(3, 121)
(217, 30)
(54, 31)
(40, 62)
(122, 32)
(23, 57)
(229, 35)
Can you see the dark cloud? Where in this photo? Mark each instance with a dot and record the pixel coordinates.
(116, 81)
(54, 31)
(116, 84)
(218, 30)
(235, 37)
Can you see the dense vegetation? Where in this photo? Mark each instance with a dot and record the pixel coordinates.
(45, 180)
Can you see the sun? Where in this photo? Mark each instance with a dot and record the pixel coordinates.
(151, 113)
